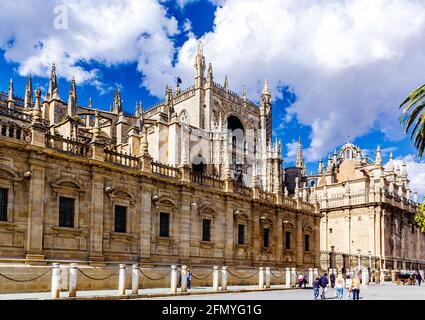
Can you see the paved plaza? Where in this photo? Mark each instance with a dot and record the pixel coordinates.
(386, 291)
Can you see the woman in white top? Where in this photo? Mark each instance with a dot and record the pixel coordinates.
(339, 285)
(348, 281)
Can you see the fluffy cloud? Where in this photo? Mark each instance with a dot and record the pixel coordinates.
(415, 172)
(350, 63)
(108, 32)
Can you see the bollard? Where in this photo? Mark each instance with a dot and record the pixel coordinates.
(73, 280)
(267, 278)
(224, 278)
(173, 279)
(287, 277)
(55, 287)
(310, 277)
(184, 279)
(261, 278)
(393, 277)
(215, 278)
(135, 279)
(294, 277)
(121, 280)
(365, 277)
(315, 273)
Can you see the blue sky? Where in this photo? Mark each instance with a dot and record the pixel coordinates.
(337, 69)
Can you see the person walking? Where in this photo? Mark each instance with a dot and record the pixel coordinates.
(355, 288)
(300, 280)
(348, 282)
(323, 284)
(316, 288)
(339, 285)
(305, 280)
(419, 278)
(189, 277)
(332, 280)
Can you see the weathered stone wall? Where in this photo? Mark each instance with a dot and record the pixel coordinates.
(32, 233)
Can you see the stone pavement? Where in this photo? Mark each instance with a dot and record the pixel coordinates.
(143, 293)
(387, 291)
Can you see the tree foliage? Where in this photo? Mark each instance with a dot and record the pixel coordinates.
(420, 217)
(413, 117)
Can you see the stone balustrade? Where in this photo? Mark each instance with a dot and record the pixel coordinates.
(13, 131)
(69, 146)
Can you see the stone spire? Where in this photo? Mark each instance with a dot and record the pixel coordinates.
(390, 167)
(28, 94)
(378, 159)
(335, 159)
(266, 90)
(90, 103)
(145, 146)
(36, 113)
(300, 158)
(226, 83)
(10, 100)
(321, 166)
(244, 93)
(210, 74)
(72, 100)
(53, 91)
(136, 110)
(199, 66)
(329, 164)
(96, 128)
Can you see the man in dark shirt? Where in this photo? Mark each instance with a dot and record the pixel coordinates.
(323, 284)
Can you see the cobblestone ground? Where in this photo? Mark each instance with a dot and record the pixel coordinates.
(373, 292)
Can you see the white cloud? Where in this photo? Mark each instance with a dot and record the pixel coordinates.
(291, 153)
(109, 32)
(350, 63)
(415, 171)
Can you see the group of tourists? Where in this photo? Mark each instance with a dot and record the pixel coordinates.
(339, 284)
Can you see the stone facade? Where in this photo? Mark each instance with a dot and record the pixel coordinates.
(367, 209)
(91, 186)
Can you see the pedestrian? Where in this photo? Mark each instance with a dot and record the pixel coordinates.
(300, 280)
(323, 284)
(316, 288)
(419, 278)
(332, 278)
(189, 277)
(339, 285)
(348, 282)
(355, 288)
(305, 280)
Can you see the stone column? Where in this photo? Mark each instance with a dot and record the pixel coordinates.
(294, 277)
(56, 285)
(299, 244)
(121, 280)
(34, 236)
(184, 230)
(145, 220)
(261, 278)
(310, 277)
(173, 285)
(224, 278)
(135, 279)
(215, 278)
(267, 278)
(96, 216)
(256, 233)
(73, 280)
(382, 276)
(183, 287)
(347, 229)
(229, 232)
(287, 277)
(393, 276)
